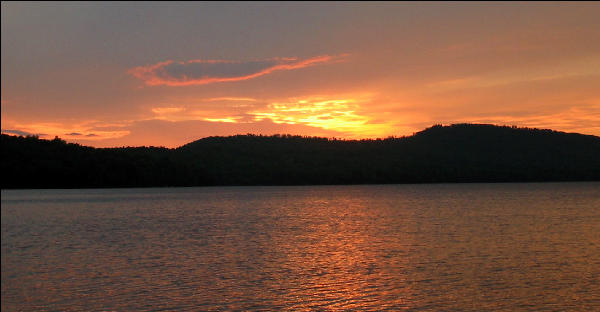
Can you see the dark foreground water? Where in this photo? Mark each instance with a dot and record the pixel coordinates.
(461, 247)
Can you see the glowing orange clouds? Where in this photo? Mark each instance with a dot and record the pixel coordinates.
(198, 72)
(341, 114)
(345, 114)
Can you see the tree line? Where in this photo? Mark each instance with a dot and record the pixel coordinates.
(439, 154)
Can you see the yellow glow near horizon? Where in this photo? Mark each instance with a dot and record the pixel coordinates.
(330, 114)
(344, 114)
(225, 119)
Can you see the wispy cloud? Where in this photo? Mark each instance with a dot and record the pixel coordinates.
(198, 72)
(571, 69)
(166, 110)
(231, 99)
(82, 130)
(16, 132)
(76, 134)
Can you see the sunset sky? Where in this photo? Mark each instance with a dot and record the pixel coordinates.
(165, 74)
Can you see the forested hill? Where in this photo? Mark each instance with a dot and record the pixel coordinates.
(457, 153)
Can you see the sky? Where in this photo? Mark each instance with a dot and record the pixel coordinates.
(168, 73)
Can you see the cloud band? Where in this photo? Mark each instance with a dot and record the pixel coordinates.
(199, 72)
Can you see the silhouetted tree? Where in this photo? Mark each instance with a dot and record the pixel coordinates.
(457, 153)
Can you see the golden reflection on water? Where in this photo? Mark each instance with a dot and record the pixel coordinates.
(512, 247)
(336, 261)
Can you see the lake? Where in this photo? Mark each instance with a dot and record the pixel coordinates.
(450, 247)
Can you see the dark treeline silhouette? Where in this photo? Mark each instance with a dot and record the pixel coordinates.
(457, 153)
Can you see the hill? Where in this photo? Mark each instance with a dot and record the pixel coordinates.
(456, 153)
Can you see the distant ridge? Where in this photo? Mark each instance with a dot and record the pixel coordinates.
(455, 153)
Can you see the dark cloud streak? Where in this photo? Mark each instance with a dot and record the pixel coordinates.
(198, 72)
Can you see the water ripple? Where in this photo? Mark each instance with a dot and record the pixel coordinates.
(470, 247)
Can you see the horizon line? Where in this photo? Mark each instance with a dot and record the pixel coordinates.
(390, 137)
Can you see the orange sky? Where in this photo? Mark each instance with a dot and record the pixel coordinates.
(164, 74)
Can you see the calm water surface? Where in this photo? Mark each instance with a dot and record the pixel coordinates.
(460, 247)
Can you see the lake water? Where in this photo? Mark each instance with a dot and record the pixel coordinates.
(450, 247)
